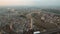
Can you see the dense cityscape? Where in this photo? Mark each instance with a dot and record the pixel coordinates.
(28, 20)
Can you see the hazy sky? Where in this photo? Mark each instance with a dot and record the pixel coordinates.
(30, 2)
